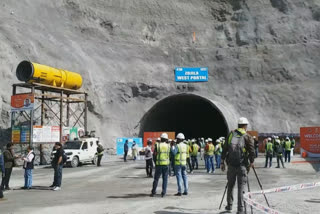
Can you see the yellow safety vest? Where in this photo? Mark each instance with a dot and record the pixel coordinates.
(269, 147)
(195, 149)
(188, 151)
(288, 145)
(181, 156)
(210, 150)
(163, 150)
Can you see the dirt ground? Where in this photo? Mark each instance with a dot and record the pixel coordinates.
(119, 187)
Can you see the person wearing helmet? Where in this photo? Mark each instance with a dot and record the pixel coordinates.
(194, 154)
(134, 150)
(217, 153)
(269, 153)
(180, 153)
(209, 150)
(188, 156)
(278, 148)
(162, 154)
(287, 145)
(148, 158)
(238, 151)
(204, 153)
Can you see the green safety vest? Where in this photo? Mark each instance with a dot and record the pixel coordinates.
(288, 145)
(269, 147)
(210, 150)
(218, 149)
(163, 150)
(195, 149)
(181, 156)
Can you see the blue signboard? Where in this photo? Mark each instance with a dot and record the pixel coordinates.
(121, 141)
(191, 74)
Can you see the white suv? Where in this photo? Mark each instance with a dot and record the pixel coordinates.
(83, 150)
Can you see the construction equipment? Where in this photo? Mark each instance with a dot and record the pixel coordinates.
(254, 170)
(31, 72)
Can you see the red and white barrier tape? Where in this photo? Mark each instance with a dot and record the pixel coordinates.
(264, 208)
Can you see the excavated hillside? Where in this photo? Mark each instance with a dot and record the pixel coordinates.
(263, 58)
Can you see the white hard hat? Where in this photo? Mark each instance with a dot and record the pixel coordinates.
(269, 138)
(243, 121)
(180, 136)
(254, 137)
(209, 140)
(158, 139)
(170, 140)
(277, 140)
(218, 140)
(193, 140)
(164, 136)
(287, 138)
(206, 141)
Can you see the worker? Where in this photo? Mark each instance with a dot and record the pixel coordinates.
(188, 157)
(217, 153)
(278, 149)
(170, 165)
(293, 144)
(172, 158)
(209, 154)
(125, 149)
(202, 145)
(194, 155)
(287, 145)
(148, 158)
(134, 150)
(162, 151)
(100, 151)
(269, 153)
(256, 145)
(238, 151)
(180, 153)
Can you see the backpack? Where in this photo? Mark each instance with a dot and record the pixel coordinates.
(235, 149)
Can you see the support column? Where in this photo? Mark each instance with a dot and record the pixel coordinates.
(42, 123)
(61, 115)
(86, 113)
(68, 111)
(31, 121)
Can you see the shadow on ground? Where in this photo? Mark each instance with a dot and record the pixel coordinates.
(313, 200)
(139, 195)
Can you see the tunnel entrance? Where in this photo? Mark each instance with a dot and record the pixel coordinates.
(193, 115)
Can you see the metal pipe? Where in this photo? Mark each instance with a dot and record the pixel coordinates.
(31, 72)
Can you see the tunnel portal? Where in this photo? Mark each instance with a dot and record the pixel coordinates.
(193, 115)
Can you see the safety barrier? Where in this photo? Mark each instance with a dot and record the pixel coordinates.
(264, 208)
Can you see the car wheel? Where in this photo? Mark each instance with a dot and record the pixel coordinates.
(75, 162)
(95, 159)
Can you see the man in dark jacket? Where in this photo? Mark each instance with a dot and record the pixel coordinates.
(57, 164)
(100, 150)
(239, 153)
(126, 149)
(9, 161)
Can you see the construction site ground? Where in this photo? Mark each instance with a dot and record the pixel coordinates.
(119, 187)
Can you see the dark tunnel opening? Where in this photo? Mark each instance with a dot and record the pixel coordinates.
(190, 114)
(24, 71)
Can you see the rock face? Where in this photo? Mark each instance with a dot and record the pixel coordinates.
(263, 56)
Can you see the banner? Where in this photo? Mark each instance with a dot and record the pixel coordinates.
(310, 140)
(120, 144)
(22, 102)
(46, 134)
(154, 135)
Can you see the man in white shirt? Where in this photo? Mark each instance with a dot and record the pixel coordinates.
(148, 158)
(28, 166)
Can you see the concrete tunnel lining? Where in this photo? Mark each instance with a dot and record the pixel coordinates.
(193, 115)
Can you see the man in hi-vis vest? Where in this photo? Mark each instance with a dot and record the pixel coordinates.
(180, 153)
(161, 154)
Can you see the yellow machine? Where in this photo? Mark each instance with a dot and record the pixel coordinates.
(31, 72)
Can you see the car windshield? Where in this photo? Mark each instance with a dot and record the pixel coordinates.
(72, 145)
